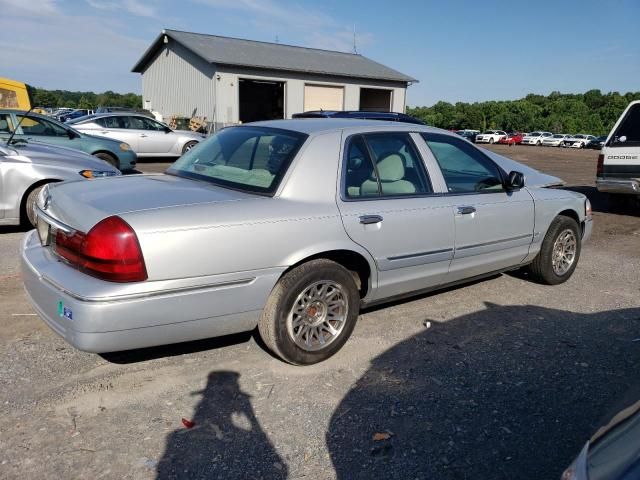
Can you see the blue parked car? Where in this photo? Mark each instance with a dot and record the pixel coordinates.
(38, 128)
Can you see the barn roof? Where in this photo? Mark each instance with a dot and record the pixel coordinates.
(273, 56)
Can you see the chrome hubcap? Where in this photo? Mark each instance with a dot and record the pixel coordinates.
(564, 252)
(318, 315)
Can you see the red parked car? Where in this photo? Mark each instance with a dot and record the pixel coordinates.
(512, 138)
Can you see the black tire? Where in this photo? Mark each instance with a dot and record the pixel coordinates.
(107, 157)
(541, 269)
(27, 216)
(273, 322)
(538, 143)
(491, 140)
(188, 146)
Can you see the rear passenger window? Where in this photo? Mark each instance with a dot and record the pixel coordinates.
(465, 169)
(384, 164)
(108, 122)
(628, 133)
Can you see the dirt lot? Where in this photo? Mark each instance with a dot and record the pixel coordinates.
(500, 379)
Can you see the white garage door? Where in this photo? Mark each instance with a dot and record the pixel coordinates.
(321, 97)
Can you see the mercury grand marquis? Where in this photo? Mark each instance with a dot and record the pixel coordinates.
(291, 226)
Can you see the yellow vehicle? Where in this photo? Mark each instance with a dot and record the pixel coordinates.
(14, 94)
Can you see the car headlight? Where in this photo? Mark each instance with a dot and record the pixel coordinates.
(97, 173)
(588, 211)
(125, 147)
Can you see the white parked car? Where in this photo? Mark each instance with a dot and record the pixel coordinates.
(490, 136)
(146, 136)
(535, 138)
(578, 141)
(555, 140)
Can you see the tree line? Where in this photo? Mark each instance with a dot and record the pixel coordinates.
(592, 112)
(64, 98)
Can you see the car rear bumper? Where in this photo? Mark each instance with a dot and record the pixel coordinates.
(114, 322)
(625, 186)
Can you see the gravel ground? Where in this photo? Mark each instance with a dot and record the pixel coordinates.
(499, 379)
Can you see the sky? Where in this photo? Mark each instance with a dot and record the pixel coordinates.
(462, 51)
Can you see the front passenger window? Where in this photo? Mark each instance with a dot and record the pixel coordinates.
(465, 169)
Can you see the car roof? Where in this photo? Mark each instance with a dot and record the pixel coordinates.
(312, 126)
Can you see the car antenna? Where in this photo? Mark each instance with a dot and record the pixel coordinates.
(17, 127)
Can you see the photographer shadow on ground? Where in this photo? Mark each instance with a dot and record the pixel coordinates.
(226, 441)
(505, 392)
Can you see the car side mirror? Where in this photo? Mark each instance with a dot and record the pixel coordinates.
(515, 181)
(167, 130)
(71, 134)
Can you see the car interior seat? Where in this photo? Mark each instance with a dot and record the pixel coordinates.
(358, 170)
(391, 170)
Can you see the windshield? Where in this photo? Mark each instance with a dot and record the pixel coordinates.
(245, 158)
(557, 135)
(535, 134)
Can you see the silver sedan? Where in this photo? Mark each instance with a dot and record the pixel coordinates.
(25, 168)
(146, 136)
(291, 226)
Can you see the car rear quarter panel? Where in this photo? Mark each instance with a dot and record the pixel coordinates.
(260, 233)
(549, 203)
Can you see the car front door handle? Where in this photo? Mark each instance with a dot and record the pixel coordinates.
(466, 210)
(142, 135)
(370, 219)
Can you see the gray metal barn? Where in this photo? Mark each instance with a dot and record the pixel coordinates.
(229, 80)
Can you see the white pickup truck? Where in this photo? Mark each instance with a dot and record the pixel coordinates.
(619, 160)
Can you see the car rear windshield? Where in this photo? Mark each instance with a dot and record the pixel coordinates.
(247, 158)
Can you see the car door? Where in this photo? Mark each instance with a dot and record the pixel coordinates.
(388, 206)
(115, 127)
(493, 227)
(153, 137)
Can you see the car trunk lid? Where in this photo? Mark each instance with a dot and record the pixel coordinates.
(81, 205)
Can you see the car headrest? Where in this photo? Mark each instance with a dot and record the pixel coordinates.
(391, 168)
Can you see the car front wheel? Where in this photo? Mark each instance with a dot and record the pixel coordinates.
(310, 313)
(491, 140)
(110, 159)
(559, 253)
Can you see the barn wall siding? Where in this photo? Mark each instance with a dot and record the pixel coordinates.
(177, 82)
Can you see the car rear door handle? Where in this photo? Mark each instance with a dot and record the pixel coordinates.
(466, 210)
(370, 219)
(142, 135)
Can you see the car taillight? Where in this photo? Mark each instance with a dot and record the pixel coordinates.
(110, 251)
(600, 168)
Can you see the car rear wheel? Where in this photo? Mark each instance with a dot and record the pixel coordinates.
(491, 140)
(559, 254)
(188, 146)
(310, 313)
(110, 159)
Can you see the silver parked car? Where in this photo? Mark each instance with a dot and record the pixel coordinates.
(25, 168)
(146, 136)
(292, 226)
